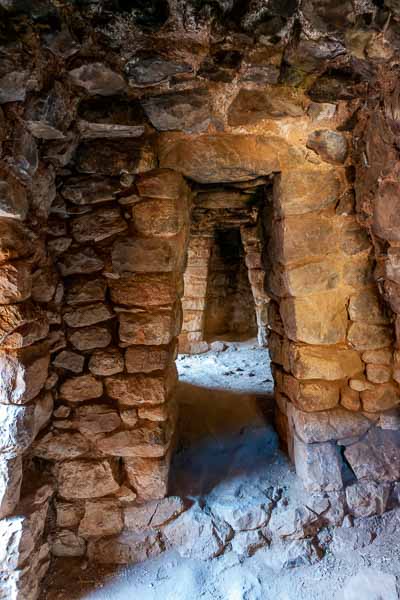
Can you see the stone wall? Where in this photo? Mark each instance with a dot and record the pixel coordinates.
(229, 303)
(102, 116)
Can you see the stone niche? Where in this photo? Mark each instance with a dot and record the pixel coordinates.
(122, 138)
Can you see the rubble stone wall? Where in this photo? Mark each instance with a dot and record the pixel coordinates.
(104, 118)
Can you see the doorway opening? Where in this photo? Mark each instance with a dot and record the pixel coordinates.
(225, 390)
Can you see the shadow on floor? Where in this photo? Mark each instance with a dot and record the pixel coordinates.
(223, 435)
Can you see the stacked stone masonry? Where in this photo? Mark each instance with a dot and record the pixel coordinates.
(109, 126)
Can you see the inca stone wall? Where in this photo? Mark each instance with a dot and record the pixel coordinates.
(110, 121)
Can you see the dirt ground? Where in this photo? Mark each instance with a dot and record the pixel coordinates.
(227, 443)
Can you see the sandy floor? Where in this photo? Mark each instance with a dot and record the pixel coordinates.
(227, 442)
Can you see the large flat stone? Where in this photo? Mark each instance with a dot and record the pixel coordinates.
(144, 290)
(276, 102)
(148, 476)
(148, 328)
(188, 111)
(136, 390)
(150, 441)
(216, 158)
(308, 362)
(145, 255)
(328, 425)
(376, 456)
(111, 158)
(23, 374)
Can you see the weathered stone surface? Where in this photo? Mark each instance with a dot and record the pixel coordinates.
(90, 338)
(378, 373)
(242, 514)
(82, 261)
(159, 218)
(79, 389)
(196, 535)
(297, 191)
(161, 183)
(127, 548)
(324, 363)
(143, 255)
(72, 361)
(49, 116)
(13, 200)
(80, 479)
(350, 399)
(10, 484)
(16, 240)
(61, 446)
(153, 514)
(151, 70)
(155, 413)
(22, 325)
(318, 466)
(135, 390)
(311, 395)
(318, 319)
(367, 307)
(214, 158)
(101, 518)
(364, 336)
(93, 131)
(330, 145)
(144, 290)
(88, 315)
(380, 397)
(324, 426)
(151, 441)
(85, 291)
(15, 282)
(367, 498)
(112, 158)
(44, 284)
(92, 419)
(14, 86)
(18, 429)
(98, 225)
(90, 190)
(129, 417)
(97, 78)
(106, 362)
(188, 111)
(386, 213)
(67, 543)
(148, 476)
(376, 456)
(69, 514)
(295, 239)
(251, 106)
(148, 328)
(23, 374)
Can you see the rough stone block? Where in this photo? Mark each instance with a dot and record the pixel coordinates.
(145, 359)
(376, 456)
(126, 548)
(318, 466)
(101, 518)
(112, 157)
(367, 308)
(380, 397)
(364, 336)
(150, 441)
(223, 157)
(85, 316)
(149, 328)
(311, 395)
(148, 476)
(135, 390)
(317, 319)
(143, 255)
(23, 374)
(67, 544)
(83, 291)
(329, 425)
(106, 362)
(98, 225)
(145, 289)
(16, 240)
(308, 362)
(83, 479)
(79, 389)
(15, 282)
(297, 191)
(367, 498)
(10, 484)
(89, 338)
(92, 419)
